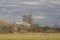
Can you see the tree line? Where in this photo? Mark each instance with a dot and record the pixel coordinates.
(34, 28)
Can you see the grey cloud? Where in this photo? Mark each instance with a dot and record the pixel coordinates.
(46, 8)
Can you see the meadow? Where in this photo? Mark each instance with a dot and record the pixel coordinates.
(30, 36)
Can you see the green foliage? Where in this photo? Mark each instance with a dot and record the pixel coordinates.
(46, 28)
(34, 28)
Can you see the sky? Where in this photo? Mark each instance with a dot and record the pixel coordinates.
(45, 12)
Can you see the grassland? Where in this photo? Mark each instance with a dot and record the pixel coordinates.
(37, 36)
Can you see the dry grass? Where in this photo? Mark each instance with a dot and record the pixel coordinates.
(34, 36)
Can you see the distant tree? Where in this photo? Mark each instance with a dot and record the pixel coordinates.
(46, 28)
(28, 18)
(34, 28)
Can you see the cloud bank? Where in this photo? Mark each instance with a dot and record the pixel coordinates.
(31, 3)
(38, 17)
(41, 9)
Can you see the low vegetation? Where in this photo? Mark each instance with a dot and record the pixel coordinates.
(7, 27)
(33, 28)
(30, 36)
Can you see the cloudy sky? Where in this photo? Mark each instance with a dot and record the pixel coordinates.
(45, 12)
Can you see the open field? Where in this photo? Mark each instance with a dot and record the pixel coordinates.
(38, 36)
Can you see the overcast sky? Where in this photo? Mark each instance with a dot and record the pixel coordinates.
(45, 12)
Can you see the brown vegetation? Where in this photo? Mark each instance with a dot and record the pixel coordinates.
(6, 27)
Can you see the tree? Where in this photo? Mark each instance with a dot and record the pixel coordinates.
(34, 28)
(45, 29)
